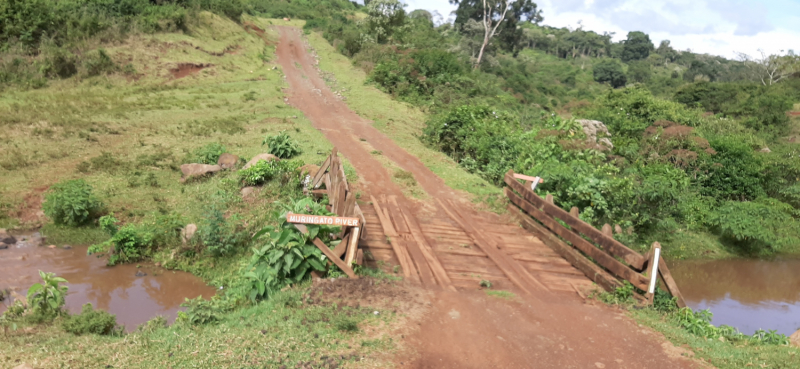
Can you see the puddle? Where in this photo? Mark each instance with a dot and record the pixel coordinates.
(118, 290)
(185, 69)
(746, 294)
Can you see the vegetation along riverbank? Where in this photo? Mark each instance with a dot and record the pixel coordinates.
(104, 103)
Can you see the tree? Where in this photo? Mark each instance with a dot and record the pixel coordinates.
(771, 69)
(502, 18)
(639, 71)
(610, 71)
(700, 69)
(637, 46)
(383, 16)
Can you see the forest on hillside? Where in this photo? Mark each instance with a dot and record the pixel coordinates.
(701, 144)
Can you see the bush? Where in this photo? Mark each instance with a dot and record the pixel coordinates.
(762, 226)
(208, 154)
(282, 146)
(264, 171)
(91, 321)
(71, 203)
(132, 242)
(98, 62)
(287, 255)
(218, 235)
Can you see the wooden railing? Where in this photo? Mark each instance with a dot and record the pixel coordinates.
(596, 253)
(342, 202)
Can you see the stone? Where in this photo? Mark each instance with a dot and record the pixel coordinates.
(140, 273)
(188, 233)
(7, 238)
(595, 128)
(66, 247)
(3, 246)
(197, 170)
(794, 339)
(259, 157)
(766, 149)
(247, 191)
(23, 366)
(309, 169)
(227, 161)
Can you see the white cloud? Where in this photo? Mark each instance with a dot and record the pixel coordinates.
(719, 27)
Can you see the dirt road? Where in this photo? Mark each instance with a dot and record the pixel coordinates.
(468, 329)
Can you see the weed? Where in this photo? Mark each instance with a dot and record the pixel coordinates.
(208, 154)
(621, 296)
(346, 324)
(71, 203)
(91, 321)
(264, 171)
(486, 283)
(48, 297)
(376, 152)
(200, 311)
(249, 96)
(501, 294)
(282, 146)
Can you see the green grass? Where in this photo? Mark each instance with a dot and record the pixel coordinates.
(282, 331)
(505, 295)
(147, 127)
(722, 355)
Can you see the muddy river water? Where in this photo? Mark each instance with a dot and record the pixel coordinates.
(744, 293)
(134, 295)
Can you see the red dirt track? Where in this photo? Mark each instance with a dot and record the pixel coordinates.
(468, 329)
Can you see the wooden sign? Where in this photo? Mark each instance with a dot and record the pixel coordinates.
(323, 220)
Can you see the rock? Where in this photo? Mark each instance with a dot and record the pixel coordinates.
(309, 169)
(227, 161)
(197, 170)
(188, 233)
(247, 191)
(51, 246)
(7, 238)
(66, 247)
(794, 339)
(594, 128)
(259, 157)
(766, 149)
(23, 366)
(3, 246)
(140, 273)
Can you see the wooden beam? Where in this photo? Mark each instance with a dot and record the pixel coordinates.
(344, 177)
(386, 223)
(339, 263)
(427, 252)
(321, 173)
(349, 205)
(360, 257)
(666, 276)
(611, 245)
(591, 270)
(352, 246)
(607, 261)
(340, 249)
(503, 261)
(397, 216)
(327, 180)
(527, 178)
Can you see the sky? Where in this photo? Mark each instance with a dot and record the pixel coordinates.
(717, 27)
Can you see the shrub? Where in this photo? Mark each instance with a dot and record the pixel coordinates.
(128, 244)
(282, 146)
(71, 203)
(264, 171)
(91, 321)
(200, 311)
(208, 154)
(761, 226)
(48, 297)
(98, 62)
(287, 255)
(218, 235)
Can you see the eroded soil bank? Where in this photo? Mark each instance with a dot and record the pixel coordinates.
(134, 294)
(748, 294)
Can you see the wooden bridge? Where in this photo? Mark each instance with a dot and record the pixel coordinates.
(455, 247)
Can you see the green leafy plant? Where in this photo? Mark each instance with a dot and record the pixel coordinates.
(620, 296)
(264, 171)
(282, 145)
(770, 337)
(49, 296)
(346, 324)
(218, 234)
(128, 243)
(287, 255)
(91, 321)
(200, 311)
(208, 154)
(72, 203)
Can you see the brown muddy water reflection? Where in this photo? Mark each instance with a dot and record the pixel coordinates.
(118, 290)
(744, 293)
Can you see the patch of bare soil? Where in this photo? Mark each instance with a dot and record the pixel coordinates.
(185, 69)
(29, 211)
